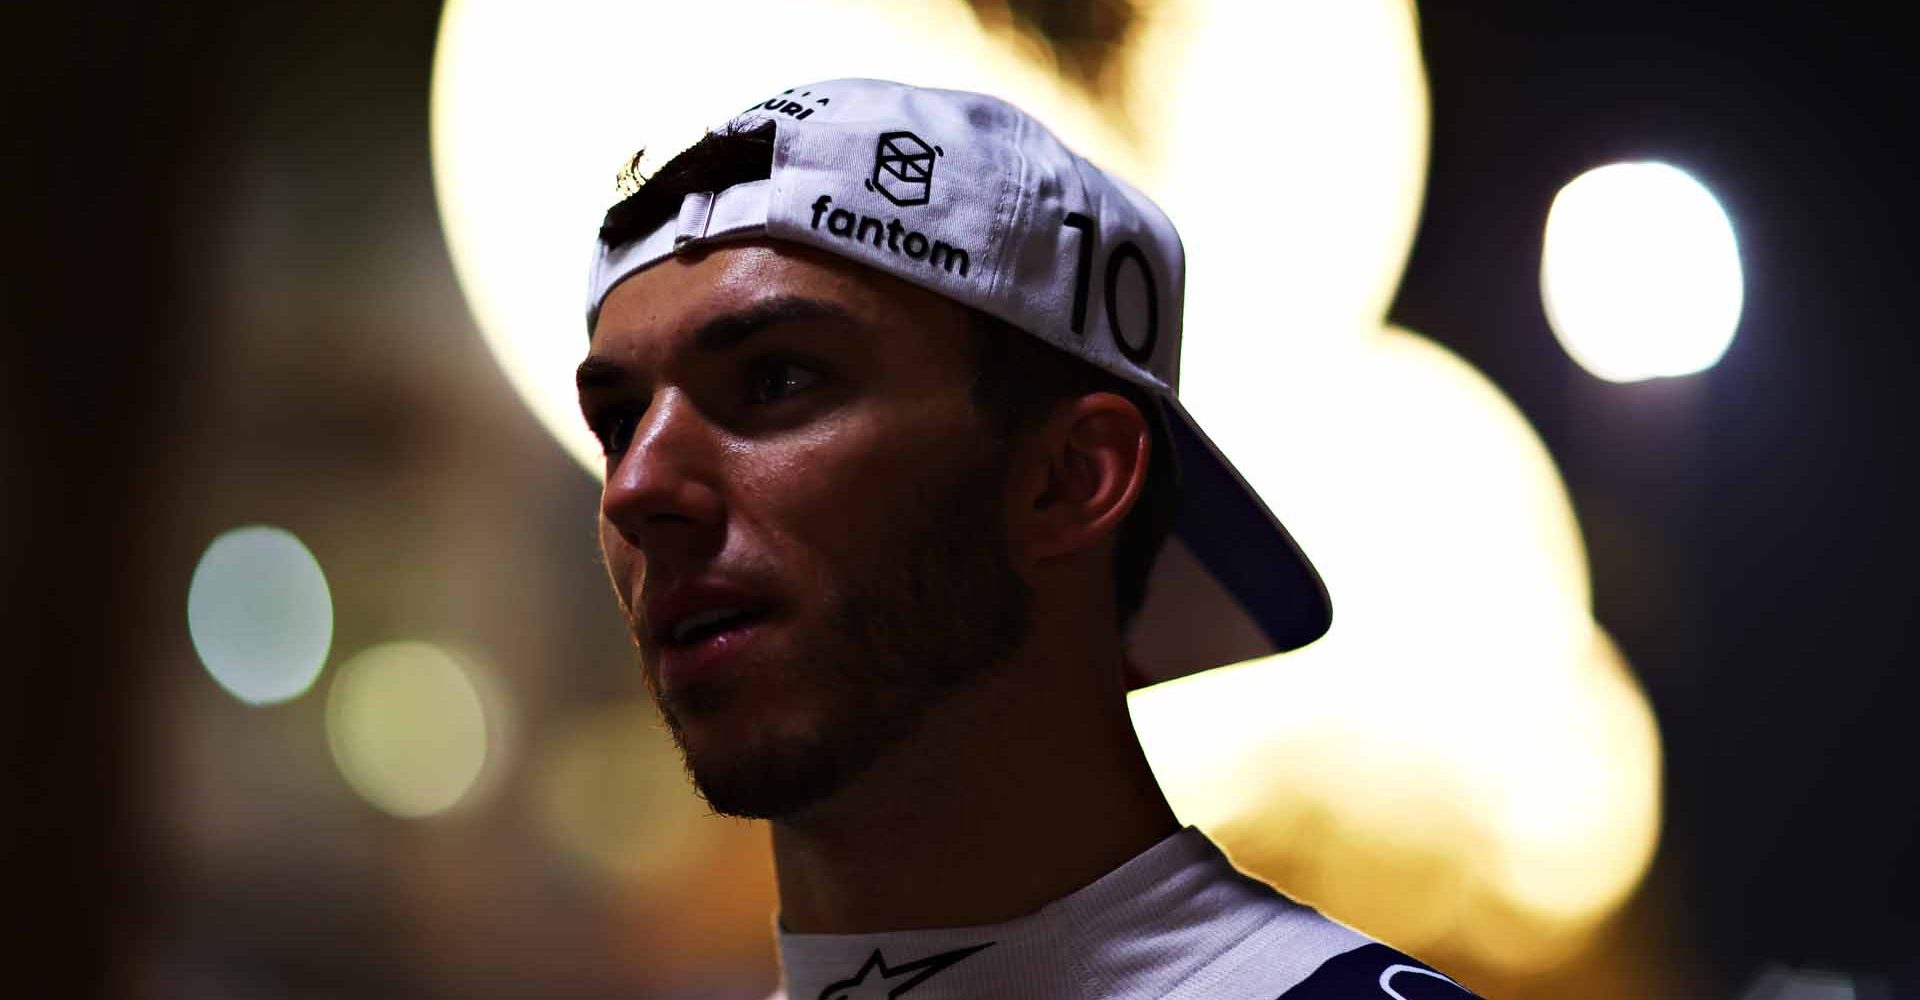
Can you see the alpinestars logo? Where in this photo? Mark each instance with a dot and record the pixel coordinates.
(877, 979)
(903, 168)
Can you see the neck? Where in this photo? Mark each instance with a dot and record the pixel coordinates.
(1013, 793)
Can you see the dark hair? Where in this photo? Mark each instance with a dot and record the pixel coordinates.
(717, 162)
(1018, 381)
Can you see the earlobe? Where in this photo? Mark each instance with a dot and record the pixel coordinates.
(1095, 468)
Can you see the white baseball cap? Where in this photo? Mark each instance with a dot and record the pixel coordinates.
(970, 197)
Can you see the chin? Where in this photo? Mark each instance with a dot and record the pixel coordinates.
(774, 778)
(769, 754)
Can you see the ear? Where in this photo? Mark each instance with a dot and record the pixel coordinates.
(1087, 467)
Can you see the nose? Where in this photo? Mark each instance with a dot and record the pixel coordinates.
(665, 489)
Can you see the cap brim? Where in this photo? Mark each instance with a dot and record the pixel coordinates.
(1231, 583)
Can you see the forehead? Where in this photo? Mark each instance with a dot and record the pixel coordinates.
(658, 308)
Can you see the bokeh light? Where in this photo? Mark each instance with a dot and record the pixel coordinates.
(1779, 982)
(536, 106)
(613, 793)
(407, 728)
(1288, 141)
(1640, 272)
(260, 614)
(1464, 749)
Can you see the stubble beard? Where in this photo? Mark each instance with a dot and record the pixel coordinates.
(937, 607)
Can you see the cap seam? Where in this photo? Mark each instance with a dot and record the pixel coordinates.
(1013, 195)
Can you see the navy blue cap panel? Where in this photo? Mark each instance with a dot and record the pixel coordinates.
(1241, 544)
(1189, 622)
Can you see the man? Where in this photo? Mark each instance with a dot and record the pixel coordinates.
(899, 503)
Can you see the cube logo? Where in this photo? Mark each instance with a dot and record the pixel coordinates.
(903, 168)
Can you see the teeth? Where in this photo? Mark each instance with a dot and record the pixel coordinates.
(691, 623)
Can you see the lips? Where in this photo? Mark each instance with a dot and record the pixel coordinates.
(704, 616)
(674, 611)
(701, 624)
(707, 654)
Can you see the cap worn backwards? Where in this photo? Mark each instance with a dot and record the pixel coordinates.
(968, 196)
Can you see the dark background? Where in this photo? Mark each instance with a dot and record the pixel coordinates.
(1749, 529)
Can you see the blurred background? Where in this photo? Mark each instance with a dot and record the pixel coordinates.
(251, 418)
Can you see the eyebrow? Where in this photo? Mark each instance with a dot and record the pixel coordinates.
(726, 332)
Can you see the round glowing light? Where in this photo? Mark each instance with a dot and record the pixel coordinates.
(1463, 749)
(1640, 272)
(1779, 982)
(260, 615)
(613, 792)
(1484, 800)
(1587, 787)
(536, 106)
(1288, 141)
(407, 728)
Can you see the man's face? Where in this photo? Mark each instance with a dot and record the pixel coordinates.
(803, 515)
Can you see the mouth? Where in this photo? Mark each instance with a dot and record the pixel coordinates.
(703, 626)
(706, 645)
(696, 627)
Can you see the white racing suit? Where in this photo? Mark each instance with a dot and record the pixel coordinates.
(1178, 922)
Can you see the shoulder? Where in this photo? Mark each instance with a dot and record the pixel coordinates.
(1375, 972)
(1297, 953)
(1293, 952)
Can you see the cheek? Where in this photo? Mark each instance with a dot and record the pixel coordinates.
(799, 506)
(813, 492)
(832, 497)
(620, 558)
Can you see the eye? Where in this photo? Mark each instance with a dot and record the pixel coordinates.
(615, 429)
(773, 380)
